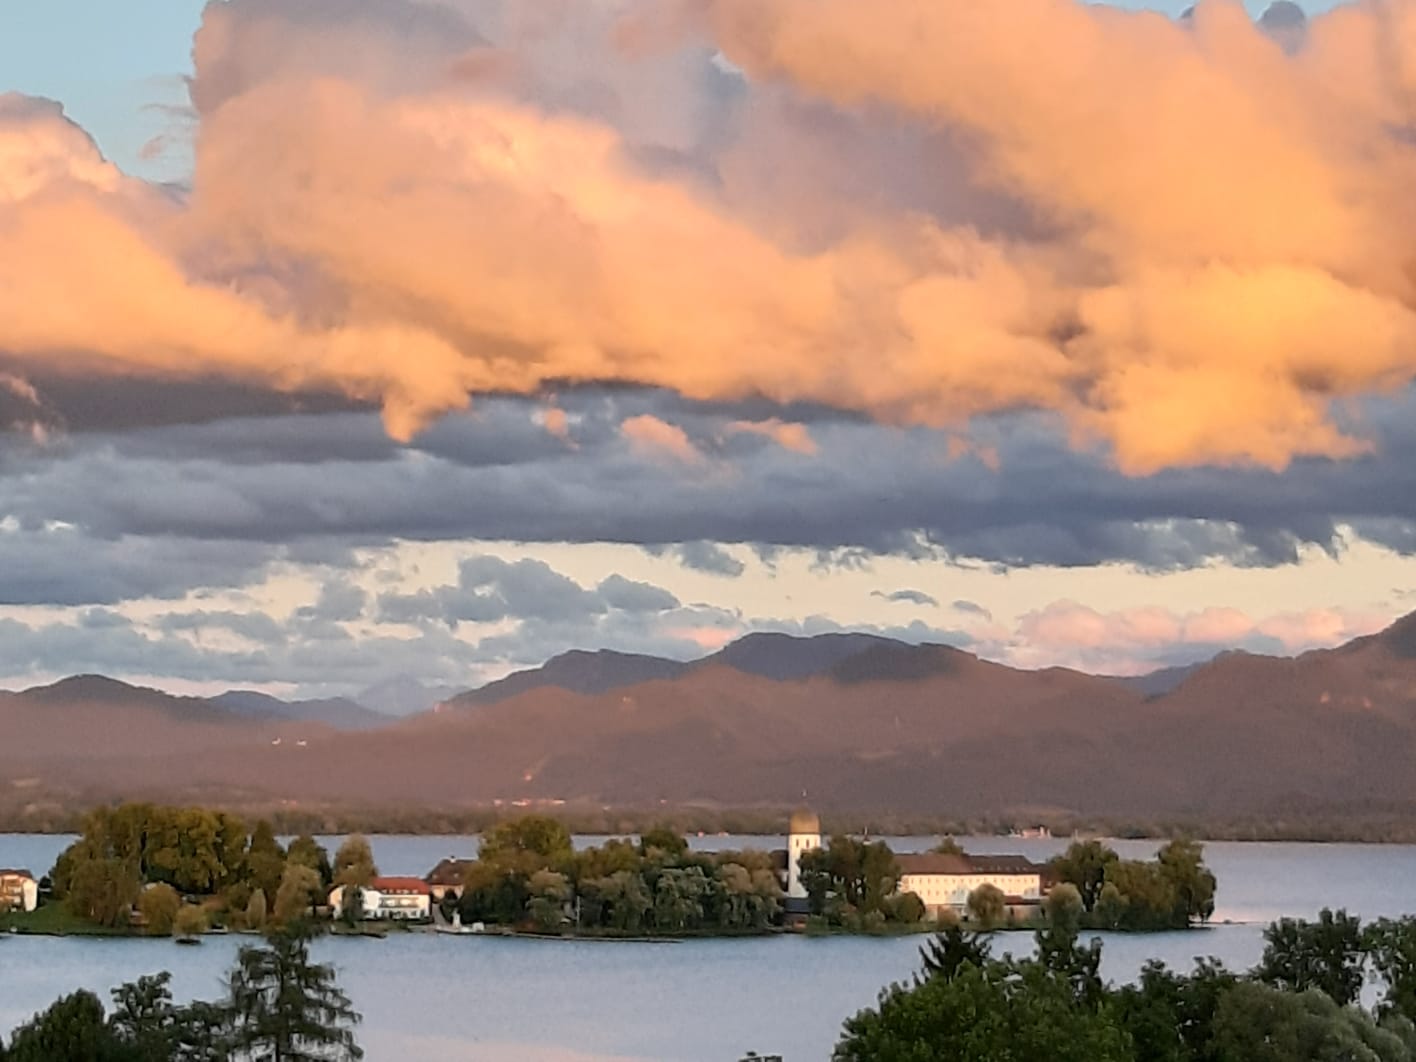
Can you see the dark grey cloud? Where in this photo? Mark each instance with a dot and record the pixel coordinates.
(162, 509)
(971, 608)
(490, 590)
(629, 595)
(907, 597)
(703, 557)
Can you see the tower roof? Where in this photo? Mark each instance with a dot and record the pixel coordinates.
(804, 820)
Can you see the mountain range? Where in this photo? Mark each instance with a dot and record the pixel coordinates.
(850, 722)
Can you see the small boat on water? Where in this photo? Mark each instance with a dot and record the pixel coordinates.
(189, 940)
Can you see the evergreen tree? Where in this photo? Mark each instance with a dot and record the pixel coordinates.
(286, 1008)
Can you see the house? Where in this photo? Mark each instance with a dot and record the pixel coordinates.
(396, 899)
(946, 881)
(19, 891)
(446, 878)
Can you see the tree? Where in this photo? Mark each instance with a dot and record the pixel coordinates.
(664, 839)
(354, 862)
(73, 1029)
(987, 905)
(1084, 865)
(191, 921)
(286, 1008)
(300, 890)
(1148, 894)
(1391, 945)
(1182, 864)
(256, 910)
(102, 890)
(550, 892)
(947, 846)
(1005, 1011)
(144, 1018)
(1110, 906)
(950, 950)
(1326, 955)
(1171, 1017)
(1256, 1023)
(265, 861)
(542, 838)
(305, 851)
(158, 905)
(1063, 907)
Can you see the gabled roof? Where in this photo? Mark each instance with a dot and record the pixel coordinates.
(4, 873)
(448, 872)
(965, 865)
(417, 886)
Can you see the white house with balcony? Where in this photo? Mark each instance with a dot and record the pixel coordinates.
(390, 899)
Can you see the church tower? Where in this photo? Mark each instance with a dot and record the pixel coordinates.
(803, 834)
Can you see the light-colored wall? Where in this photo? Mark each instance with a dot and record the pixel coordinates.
(952, 890)
(798, 844)
(392, 906)
(29, 893)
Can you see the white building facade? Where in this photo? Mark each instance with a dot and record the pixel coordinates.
(390, 899)
(948, 880)
(19, 891)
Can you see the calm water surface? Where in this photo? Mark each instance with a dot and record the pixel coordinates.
(438, 999)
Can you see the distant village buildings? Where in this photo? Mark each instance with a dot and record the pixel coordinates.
(19, 891)
(393, 899)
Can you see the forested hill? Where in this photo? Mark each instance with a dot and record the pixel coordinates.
(858, 724)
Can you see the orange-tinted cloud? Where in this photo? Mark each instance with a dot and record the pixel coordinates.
(1210, 237)
(1124, 640)
(656, 438)
(794, 437)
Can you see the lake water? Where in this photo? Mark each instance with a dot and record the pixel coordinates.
(438, 999)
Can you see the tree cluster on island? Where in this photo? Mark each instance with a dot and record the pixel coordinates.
(1300, 1004)
(528, 874)
(280, 1007)
(180, 870)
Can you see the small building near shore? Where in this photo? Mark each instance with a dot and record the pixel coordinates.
(446, 878)
(946, 881)
(19, 891)
(390, 899)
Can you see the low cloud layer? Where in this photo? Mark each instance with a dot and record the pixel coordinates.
(1188, 240)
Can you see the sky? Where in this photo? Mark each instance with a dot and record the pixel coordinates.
(347, 339)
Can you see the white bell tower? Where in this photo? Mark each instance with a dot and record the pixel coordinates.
(803, 835)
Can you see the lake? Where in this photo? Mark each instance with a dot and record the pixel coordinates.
(439, 999)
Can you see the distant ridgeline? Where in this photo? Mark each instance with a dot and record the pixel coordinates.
(154, 869)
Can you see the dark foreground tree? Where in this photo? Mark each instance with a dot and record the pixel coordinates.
(286, 1008)
(1326, 955)
(1004, 1012)
(73, 1030)
(1256, 1023)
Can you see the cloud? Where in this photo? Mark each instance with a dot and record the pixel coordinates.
(706, 557)
(1178, 239)
(907, 597)
(794, 437)
(1137, 639)
(971, 608)
(653, 437)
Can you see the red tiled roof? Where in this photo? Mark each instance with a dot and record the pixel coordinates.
(964, 865)
(417, 886)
